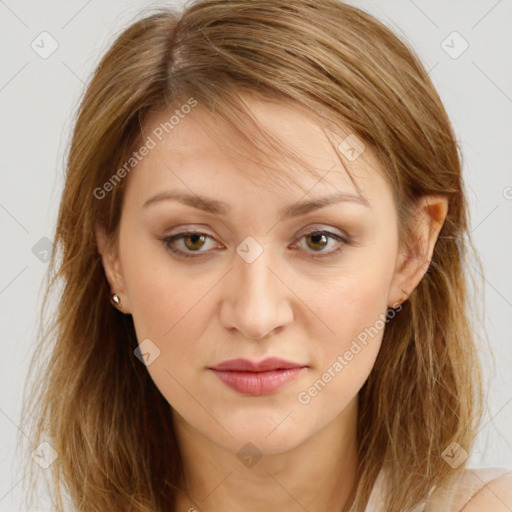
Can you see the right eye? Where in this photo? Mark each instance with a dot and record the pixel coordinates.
(191, 242)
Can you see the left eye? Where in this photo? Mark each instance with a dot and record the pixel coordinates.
(193, 241)
(318, 240)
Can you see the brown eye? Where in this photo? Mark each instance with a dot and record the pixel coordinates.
(317, 241)
(188, 244)
(194, 241)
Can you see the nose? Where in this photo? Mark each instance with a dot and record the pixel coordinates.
(256, 301)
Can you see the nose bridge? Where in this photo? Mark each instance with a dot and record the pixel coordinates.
(258, 300)
(254, 282)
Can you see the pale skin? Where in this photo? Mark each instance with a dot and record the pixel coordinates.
(496, 496)
(202, 310)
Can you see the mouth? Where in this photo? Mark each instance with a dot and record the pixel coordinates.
(255, 379)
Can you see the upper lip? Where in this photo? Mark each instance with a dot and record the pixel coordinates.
(245, 365)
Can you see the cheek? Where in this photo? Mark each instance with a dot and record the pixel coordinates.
(162, 298)
(173, 320)
(352, 302)
(356, 312)
(354, 307)
(169, 308)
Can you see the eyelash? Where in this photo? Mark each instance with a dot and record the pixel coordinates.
(166, 241)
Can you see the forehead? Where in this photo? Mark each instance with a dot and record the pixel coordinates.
(186, 155)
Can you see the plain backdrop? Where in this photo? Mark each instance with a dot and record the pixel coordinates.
(466, 45)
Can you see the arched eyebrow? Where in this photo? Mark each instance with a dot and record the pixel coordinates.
(220, 208)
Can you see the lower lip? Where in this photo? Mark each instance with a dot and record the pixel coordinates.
(258, 383)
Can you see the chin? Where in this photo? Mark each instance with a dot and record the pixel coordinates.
(256, 441)
(270, 430)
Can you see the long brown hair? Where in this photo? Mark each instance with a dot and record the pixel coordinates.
(93, 401)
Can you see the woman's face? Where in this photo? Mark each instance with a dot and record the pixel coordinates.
(256, 283)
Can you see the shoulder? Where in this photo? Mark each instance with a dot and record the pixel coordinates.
(493, 496)
(476, 490)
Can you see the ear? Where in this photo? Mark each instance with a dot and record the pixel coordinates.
(411, 266)
(111, 266)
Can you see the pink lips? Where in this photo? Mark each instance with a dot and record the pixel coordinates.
(256, 379)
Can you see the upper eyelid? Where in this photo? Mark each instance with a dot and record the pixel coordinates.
(302, 232)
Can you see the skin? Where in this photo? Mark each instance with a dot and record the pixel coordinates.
(496, 496)
(205, 310)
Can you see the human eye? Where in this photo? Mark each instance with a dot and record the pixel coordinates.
(319, 239)
(190, 241)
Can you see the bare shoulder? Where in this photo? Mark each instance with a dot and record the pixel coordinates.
(494, 496)
(474, 490)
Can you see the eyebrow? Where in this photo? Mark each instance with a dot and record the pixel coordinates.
(220, 208)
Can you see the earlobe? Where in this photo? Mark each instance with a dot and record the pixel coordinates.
(412, 265)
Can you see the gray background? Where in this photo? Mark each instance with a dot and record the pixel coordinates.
(38, 97)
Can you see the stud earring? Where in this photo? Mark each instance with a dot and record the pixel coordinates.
(116, 301)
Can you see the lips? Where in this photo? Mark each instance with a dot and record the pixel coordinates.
(244, 365)
(257, 378)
